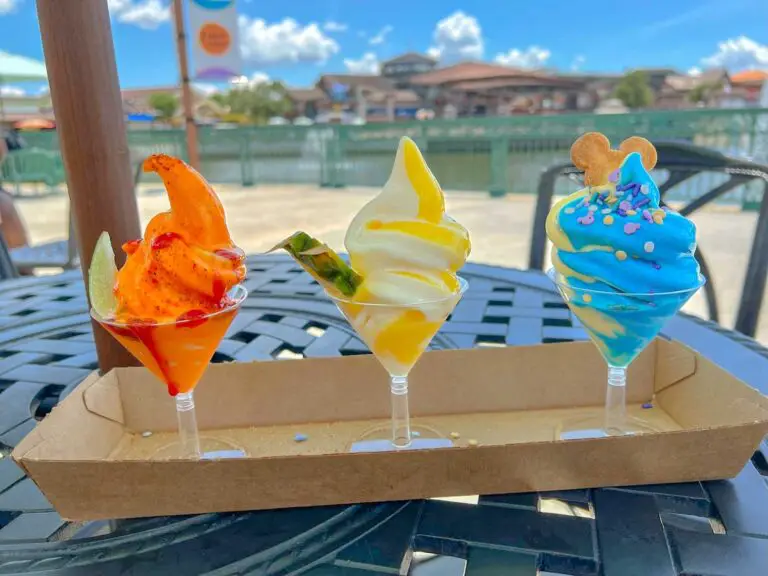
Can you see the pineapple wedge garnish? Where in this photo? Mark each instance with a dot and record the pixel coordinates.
(325, 265)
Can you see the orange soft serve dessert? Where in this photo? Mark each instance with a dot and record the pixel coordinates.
(186, 262)
(169, 304)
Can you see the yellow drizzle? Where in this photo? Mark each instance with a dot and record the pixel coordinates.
(431, 203)
(437, 233)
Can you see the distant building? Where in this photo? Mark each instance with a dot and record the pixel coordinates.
(711, 88)
(747, 87)
(657, 76)
(414, 84)
(24, 107)
(136, 101)
(368, 97)
(135, 104)
(484, 89)
(402, 68)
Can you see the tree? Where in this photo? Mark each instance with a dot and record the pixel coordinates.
(704, 92)
(259, 102)
(220, 98)
(165, 104)
(634, 90)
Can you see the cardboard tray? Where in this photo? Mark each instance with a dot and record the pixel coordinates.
(90, 459)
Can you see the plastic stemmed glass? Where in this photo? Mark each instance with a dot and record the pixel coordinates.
(178, 354)
(398, 334)
(621, 325)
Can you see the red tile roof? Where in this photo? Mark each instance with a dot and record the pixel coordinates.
(470, 71)
(352, 80)
(306, 94)
(750, 76)
(516, 81)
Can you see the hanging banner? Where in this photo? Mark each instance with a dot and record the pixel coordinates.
(215, 48)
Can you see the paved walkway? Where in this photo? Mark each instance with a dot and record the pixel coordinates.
(500, 228)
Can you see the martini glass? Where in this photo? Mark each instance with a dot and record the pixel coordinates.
(621, 325)
(178, 353)
(398, 334)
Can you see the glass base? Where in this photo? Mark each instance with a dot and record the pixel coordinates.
(595, 428)
(210, 448)
(379, 439)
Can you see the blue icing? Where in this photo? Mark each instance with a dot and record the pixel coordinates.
(610, 305)
(639, 320)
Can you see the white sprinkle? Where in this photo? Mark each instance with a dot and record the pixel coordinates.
(644, 189)
(146, 434)
(570, 210)
(593, 208)
(648, 246)
(606, 210)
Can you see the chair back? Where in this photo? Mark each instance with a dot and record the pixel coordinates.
(35, 165)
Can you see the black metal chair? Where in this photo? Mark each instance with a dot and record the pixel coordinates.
(684, 161)
(7, 268)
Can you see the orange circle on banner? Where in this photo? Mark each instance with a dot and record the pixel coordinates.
(214, 38)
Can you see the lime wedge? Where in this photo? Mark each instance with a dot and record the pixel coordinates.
(102, 276)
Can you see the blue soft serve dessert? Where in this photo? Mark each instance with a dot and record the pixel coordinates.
(625, 264)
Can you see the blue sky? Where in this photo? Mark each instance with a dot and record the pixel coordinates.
(296, 40)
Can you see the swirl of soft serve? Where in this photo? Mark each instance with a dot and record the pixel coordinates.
(402, 242)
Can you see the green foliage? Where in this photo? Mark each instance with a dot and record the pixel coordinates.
(232, 118)
(220, 98)
(259, 102)
(704, 91)
(634, 90)
(165, 104)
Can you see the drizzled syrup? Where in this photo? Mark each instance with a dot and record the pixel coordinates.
(165, 240)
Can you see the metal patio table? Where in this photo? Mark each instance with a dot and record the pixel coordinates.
(46, 348)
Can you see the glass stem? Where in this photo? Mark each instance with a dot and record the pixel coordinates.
(188, 435)
(401, 420)
(616, 400)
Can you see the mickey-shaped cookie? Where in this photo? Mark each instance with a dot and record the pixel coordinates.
(592, 153)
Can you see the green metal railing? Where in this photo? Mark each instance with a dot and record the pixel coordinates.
(496, 155)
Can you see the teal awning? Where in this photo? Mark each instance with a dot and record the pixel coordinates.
(15, 68)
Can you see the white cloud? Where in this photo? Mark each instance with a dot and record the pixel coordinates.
(738, 54)
(146, 14)
(11, 91)
(577, 63)
(116, 6)
(284, 42)
(43, 91)
(205, 88)
(255, 79)
(381, 36)
(367, 64)
(457, 37)
(8, 6)
(694, 71)
(531, 57)
(362, 33)
(332, 26)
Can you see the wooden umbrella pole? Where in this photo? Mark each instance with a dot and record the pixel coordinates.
(193, 156)
(85, 92)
